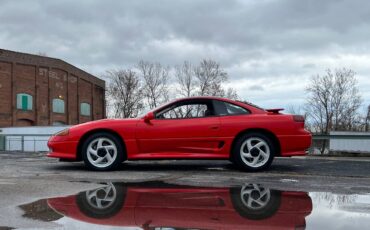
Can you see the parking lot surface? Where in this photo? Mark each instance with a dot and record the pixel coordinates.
(39, 192)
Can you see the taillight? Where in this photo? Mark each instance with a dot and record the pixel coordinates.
(298, 118)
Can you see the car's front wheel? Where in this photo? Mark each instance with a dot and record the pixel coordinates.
(102, 203)
(253, 152)
(253, 201)
(102, 152)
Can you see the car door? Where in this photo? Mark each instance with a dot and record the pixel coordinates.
(183, 208)
(184, 129)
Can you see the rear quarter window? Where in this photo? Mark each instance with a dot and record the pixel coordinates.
(224, 108)
(235, 109)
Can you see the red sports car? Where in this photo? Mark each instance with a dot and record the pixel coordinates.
(165, 206)
(189, 128)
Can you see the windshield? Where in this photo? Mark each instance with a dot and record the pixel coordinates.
(147, 110)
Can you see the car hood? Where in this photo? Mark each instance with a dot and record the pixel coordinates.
(120, 126)
(108, 121)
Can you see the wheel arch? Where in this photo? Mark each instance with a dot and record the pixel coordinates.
(266, 132)
(99, 130)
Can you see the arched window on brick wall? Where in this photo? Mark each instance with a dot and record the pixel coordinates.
(59, 123)
(85, 109)
(24, 101)
(58, 105)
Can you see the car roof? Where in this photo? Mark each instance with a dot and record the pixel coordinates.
(247, 105)
(205, 97)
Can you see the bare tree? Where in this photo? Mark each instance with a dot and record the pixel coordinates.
(124, 93)
(333, 101)
(155, 83)
(231, 94)
(292, 109)
(210, 77)
(207, 79)
(367, 119)
(186, 79)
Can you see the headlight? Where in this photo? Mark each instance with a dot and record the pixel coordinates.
(64, 132)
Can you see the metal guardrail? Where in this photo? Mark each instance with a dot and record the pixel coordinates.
(336, 136)
(5, 141)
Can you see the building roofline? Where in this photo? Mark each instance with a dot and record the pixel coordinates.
(61, 63)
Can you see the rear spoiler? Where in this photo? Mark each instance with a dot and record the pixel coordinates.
(276, 111)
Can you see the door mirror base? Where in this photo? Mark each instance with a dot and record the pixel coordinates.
(148, 117)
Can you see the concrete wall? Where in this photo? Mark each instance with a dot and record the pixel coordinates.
(35, 141)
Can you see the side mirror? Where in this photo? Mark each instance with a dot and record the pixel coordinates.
(149, 116)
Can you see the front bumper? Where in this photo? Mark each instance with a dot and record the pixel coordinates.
(63, 149)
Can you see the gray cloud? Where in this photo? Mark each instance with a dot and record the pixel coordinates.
(262, 40)
(255, 88)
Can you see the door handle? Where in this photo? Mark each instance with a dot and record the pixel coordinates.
(214, 127)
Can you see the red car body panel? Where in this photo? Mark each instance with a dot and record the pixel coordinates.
(194, 208)
(192, 138)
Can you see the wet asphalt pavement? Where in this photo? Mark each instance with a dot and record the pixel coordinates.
(38, 192)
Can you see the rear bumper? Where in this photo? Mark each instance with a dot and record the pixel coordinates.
(63, 149)
(294, 145)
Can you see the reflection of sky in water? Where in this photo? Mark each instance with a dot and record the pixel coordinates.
(69, 223)
(334, 211)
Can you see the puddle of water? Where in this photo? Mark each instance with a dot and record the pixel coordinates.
(156, 205)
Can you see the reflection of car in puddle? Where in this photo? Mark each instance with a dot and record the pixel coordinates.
(156, 205)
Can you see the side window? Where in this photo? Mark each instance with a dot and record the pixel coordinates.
(224, 108)
(235, 109)
(58, 105)
(85, 109)
(24, 101)
(186, 111)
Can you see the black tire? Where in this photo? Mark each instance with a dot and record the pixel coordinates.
(271, 207)
(237, 157)
(118, 144)
(111, 209)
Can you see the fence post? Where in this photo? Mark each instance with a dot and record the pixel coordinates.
(2, 142)
(22, 143)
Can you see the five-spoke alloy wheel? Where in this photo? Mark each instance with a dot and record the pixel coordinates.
(253, 201)
(102, 203)
(254, 196)
(253, 152)
(102, 151)
(102, 198)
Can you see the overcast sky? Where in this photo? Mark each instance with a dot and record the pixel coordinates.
(270, 48)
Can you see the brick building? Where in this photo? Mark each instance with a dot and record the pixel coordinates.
(38, 90)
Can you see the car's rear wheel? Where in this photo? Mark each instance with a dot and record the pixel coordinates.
(253, 152)
(102, 152)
